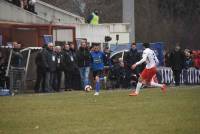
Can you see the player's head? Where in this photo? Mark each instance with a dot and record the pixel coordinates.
(133, 45)
(50, 46)
(83, 44)
(146, 45)
(96, 47)
(96, 11)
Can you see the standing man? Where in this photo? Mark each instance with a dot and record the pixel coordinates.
(41, 71)
(76, 78)
(177, 63)
(58, 72)
(130, 59)
(50, 61)
(67, 66)
(98, 58)
(93, 18)
(150, 70)
(83, 57)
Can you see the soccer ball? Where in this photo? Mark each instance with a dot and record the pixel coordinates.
(88, 88)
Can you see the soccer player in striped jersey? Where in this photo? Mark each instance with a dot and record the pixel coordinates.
(150, 70)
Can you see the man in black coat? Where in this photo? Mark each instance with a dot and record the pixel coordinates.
(51, 61)
(41, 69)
(59, 69)
(131, 58)
(177, 63)
(17, 59)
(46, 67)
(70, 68)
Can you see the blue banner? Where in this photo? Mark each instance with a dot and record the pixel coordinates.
(48, 39)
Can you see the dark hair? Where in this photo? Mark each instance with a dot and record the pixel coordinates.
(96, 11)
(133, 43)
(146, 45)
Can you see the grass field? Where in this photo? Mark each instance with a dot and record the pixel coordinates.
(113, 112)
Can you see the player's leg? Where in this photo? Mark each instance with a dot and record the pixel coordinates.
(141, 80)
(96, 75)
(139, 85)
(97, 85)
(154, 83)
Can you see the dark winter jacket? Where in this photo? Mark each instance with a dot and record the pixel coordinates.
(83, 57)
(69, 61)
(59, 61)
(49, 60)
(132, 57)
(17, 59)
(177, 59)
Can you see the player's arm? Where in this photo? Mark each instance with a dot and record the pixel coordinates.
(144, 58)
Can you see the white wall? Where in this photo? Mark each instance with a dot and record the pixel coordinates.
(97, 33)
(63, 35)
(10, 12)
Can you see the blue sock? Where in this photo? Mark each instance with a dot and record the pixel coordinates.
(97, 86)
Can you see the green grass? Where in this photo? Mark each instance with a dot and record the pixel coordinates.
(113, 112)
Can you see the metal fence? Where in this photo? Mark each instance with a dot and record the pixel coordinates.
(17, 79)
(188, 76)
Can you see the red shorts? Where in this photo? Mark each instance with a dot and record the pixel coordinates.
(147, 74)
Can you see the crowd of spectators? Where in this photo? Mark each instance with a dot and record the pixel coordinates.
(28, 5)
(75, 64)
(179, 60)
(186, 58)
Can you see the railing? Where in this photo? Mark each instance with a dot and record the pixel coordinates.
(188, 76)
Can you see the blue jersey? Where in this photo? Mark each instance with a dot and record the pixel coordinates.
(97, 60)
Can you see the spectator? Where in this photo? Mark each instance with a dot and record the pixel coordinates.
(67, 66)
(93, 18)
(188, 59)
(196, 59)
(71, 70)
(41, 70)
(131, 58)
(166, 58)
(17, 59)
(24, 4)
(76, 78)
(107, 56)
(4, 82)
(58, 72)
(177, 63)
(123, 74)
(83, 57)
(31, 6)
(50, 63)
(17, 2)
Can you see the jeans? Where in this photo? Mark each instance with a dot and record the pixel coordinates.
(84, 72)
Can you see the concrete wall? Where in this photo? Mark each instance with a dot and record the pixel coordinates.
(56, 15)
(110, 11)
(10, 12)
(129, 17)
